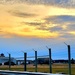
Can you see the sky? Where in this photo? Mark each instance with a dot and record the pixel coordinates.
(34, 24)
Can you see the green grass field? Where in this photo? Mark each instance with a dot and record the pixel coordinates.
(56, 68)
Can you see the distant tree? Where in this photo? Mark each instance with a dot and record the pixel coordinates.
(2, 55)
(72, 61)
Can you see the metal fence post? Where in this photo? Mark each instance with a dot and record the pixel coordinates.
(9, 61)
(50, 61)
(25, 56)
(35, 61)
(69, 59)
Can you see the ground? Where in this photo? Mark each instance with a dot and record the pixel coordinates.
(56, 68)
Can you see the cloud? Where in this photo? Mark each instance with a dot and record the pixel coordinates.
(32, 23)
(56, 28)
(64, 24)
(21, 14)
(67, 35)
(72, 33)
(60, 3)
(71, 27)
(60, 19)
(26, 31)
(61, 24)
(39, 25)
(37, 18)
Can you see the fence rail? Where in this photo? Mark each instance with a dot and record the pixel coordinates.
(62, 68)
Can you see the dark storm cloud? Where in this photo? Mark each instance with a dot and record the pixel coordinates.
(21, 14)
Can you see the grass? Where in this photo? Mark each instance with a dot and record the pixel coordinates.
(56, 68)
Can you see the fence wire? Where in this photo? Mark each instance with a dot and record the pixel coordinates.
(59, 61)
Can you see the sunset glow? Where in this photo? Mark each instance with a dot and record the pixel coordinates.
(27, 24)
(24, 21)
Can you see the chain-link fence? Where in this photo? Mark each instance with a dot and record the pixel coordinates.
(43, 63)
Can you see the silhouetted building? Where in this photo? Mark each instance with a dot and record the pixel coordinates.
(21, 62)
(43, 61)
(5, 60)
(46, 61)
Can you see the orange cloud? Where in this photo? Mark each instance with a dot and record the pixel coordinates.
(10, 21)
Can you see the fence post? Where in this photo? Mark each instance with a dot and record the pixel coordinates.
(50, 61)
(69, 59)
(35, 61)
(25, 56)
(9, 61)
